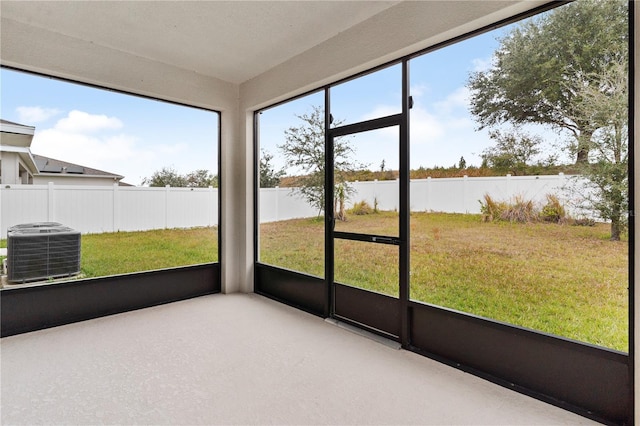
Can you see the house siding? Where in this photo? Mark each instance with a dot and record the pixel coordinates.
(73, 180)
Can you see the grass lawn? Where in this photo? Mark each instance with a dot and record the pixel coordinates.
(564, 280)
(125, 252)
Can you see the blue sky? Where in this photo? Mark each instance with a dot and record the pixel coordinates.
(442, 129)
(134, 136)
(123, 134)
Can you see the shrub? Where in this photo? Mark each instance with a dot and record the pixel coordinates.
(553, 211)
(521, 211)
(491, 210)
(361, 208)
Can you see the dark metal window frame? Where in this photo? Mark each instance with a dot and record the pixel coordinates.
(384, 307)
(594, 382)
(29, 308)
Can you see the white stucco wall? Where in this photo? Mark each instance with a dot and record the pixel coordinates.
(14, 171)
(9, 168)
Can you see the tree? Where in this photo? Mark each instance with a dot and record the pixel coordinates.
(462, 164)
(169, 176)
(269, 177)
(304, 149)
(605, 103)
(542, 64)
(201, 179)
(513, 151)
(166, 176)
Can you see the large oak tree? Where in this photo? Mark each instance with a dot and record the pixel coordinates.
(542, 65)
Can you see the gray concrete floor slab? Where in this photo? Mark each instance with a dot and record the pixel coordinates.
(240, 359)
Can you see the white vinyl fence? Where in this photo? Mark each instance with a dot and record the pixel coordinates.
(97, 209)
(449, 195)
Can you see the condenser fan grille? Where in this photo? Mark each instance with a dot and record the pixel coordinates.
(42, 250)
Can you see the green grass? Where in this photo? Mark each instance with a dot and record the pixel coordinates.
(565, 280)
(126, 252)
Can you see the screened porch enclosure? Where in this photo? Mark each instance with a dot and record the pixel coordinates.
(365, 76)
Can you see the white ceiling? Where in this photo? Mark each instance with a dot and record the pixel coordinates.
(230, 40)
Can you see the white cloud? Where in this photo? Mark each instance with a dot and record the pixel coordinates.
(442, 130)
(459, 98)
(83, 122)
(425, 127)
(82, 149)
(419, 90)
(35, 114)
(381, 111)
(88, 140)
(457, 137)
(482, 64)
(172, 149)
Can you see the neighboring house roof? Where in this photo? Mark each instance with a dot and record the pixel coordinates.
(11, 127)
(2, 121)
(48, 165)
(17, 138)
(14, 134)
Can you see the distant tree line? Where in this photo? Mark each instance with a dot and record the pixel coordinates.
(169, 176)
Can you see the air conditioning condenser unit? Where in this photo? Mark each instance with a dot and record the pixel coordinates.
(37, 251)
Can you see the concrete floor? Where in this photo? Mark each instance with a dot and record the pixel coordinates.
(240, 359)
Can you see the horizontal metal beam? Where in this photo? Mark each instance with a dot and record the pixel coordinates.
(365, 126)
(369, 238)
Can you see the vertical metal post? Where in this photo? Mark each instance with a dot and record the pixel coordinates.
(115, 223)
(256, 190)
(50, 202)
(219, 193)
(404, 208)
(328, 206)
(632, 207)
